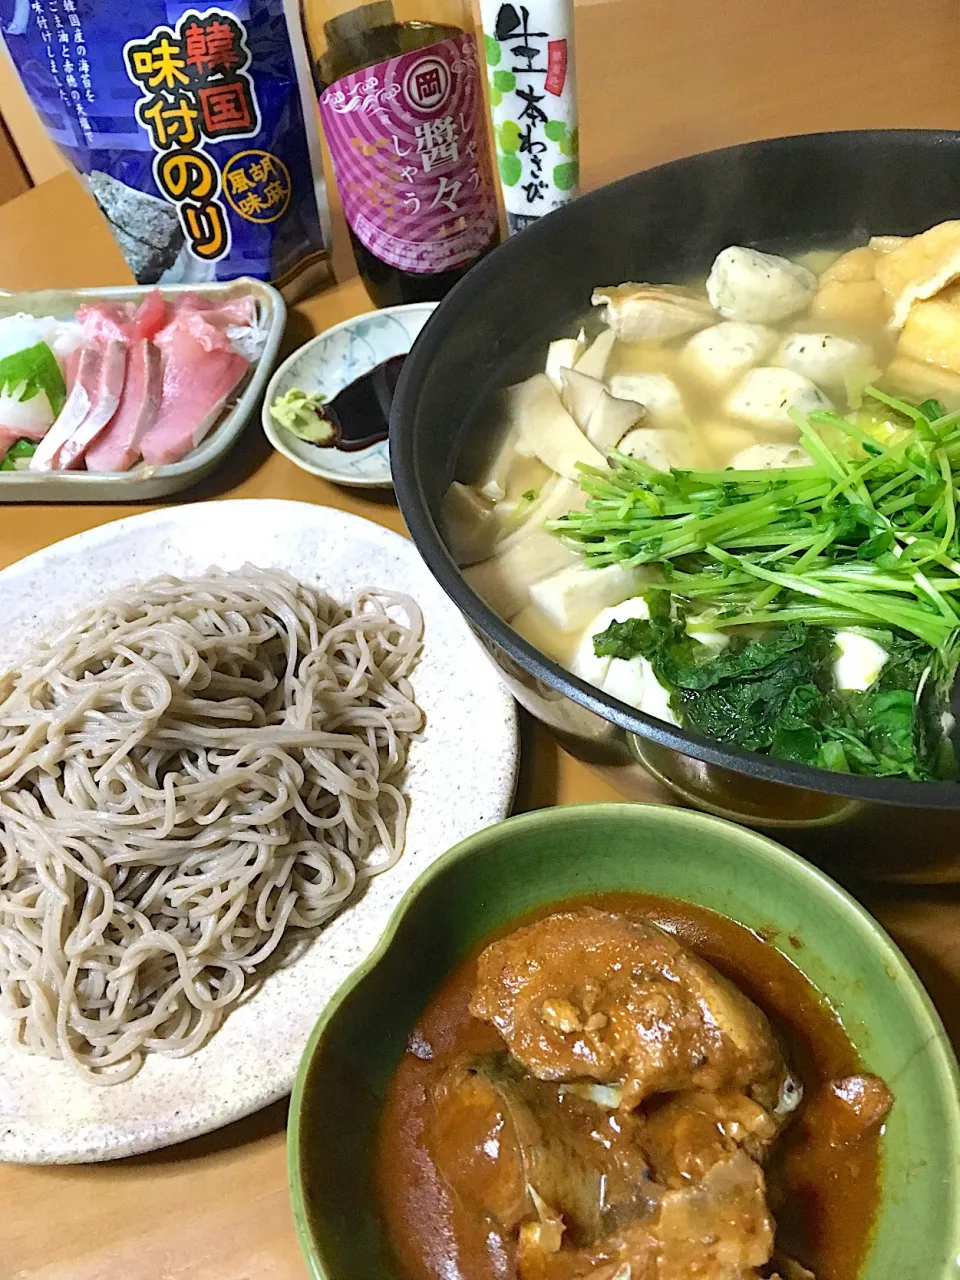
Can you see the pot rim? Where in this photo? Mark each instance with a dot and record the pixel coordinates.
(423, 528)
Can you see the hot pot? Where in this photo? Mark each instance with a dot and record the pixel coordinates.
(667, 224)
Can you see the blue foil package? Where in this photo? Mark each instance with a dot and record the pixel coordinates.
(193, 127)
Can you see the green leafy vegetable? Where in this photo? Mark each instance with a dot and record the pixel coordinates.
(867, 537)
(26, 373)
(18, 455)
(778, 695)
(864, 537)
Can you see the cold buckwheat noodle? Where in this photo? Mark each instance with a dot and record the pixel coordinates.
(189, 772)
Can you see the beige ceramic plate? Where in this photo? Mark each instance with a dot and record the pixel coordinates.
(461, 777)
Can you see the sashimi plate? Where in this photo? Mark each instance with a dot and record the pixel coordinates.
(145, 483)
(460, 778)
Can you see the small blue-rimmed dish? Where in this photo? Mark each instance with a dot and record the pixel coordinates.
(328, 363)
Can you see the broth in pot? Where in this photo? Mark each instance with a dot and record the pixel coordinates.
(731, 503)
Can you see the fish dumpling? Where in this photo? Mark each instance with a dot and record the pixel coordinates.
(770, 457)
(759, 288)
(765, 397)
(658, 394)
(719, 355)
(658, 448)
(827, 359)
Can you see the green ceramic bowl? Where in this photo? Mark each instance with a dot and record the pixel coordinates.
(544, 857)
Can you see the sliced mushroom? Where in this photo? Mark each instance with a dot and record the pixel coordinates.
(580, 395)
(547, 431)
(612, 419)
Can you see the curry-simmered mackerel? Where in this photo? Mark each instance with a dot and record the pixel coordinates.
(590, 1097)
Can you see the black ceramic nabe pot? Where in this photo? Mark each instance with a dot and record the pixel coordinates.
(668, 224)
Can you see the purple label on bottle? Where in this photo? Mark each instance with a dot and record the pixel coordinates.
(408, 146)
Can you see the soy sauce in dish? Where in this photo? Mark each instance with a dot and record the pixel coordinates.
(360, 413)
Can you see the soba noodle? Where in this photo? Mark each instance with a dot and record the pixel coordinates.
(191, 770)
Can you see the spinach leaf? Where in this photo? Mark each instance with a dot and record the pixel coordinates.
(778, 694)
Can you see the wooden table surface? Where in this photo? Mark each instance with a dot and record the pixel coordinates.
(658, 78)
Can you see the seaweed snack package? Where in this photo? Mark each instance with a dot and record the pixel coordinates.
(193, 127)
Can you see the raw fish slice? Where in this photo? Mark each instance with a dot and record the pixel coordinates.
(19, 431)
(118, 447)
(151, 315)
(70, 366)
(238, 318)
(74, 411)
(200, 371)
(105, 322)
(241, 310)
(123, 322)
(113, 370)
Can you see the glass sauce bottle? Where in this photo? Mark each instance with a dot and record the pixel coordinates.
(402, 108)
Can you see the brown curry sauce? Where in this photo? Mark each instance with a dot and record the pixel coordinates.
(823, 1195)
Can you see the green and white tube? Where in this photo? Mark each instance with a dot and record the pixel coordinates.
(531, 73)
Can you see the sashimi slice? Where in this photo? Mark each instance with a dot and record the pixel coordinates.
(200, 371)
(18, 431)
(105, 321)
(238, 318)
(113, 371)
(241, 310)
(151, 315)
(70, 366)
(75, 409)
(118, 447)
